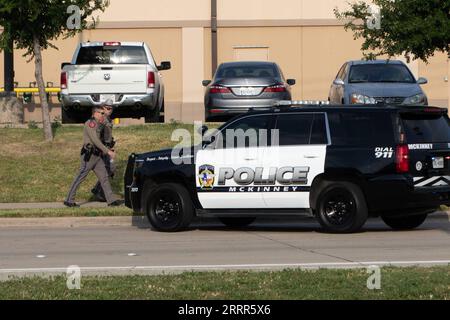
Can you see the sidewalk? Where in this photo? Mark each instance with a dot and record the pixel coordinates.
(48, 205)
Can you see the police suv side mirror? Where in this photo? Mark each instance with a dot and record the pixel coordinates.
(205, 83)
(65, 64)
(209, 140)
(203, 129)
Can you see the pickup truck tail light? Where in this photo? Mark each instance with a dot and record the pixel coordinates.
(277, 88)
(151, 79)
(219, 89)
(402, 158)
(63, 80)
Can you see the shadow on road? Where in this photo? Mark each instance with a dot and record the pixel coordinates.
(297, 224)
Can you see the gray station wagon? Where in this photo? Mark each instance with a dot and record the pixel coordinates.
(377, 82)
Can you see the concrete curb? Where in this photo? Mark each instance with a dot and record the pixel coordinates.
(11, 274)
(115, 221)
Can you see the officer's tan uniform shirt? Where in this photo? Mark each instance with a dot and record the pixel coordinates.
(91, 135)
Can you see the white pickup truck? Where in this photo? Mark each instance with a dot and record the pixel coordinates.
(122, 71)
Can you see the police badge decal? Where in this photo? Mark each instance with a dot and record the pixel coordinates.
(206, 176)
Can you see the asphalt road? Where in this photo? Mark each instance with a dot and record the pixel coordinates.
(210, 246)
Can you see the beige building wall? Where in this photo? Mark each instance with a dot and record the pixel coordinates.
(437, 73)
(302, 36)
(283, 44)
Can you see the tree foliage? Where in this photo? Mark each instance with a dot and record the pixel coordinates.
(23, 20)
(413, 28)
(32, 25)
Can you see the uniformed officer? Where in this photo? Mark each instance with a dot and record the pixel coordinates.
(91, 159)
(108, 140)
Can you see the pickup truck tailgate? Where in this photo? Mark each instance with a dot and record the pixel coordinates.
(107, 78)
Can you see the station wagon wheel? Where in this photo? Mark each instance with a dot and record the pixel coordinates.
(342, 208)
(169, 207)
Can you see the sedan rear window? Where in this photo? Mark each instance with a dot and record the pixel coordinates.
(112, 55)
(426, 129)
(250, 71)
(380, 73)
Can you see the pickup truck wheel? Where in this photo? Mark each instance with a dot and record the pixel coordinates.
(161, 116)
(169, 207)
(405, 222)
(152, 116)
(341, 208)
(237, 222)
(68, 117)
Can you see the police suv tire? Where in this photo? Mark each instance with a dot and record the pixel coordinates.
(405, 222)
(169, 207)
(341, 207)
(236, 222)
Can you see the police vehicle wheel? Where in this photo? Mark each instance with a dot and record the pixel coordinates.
(169, 207)
(405, 223)
(341, 208)
(237, 222)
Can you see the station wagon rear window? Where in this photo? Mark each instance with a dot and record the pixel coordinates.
(112, 55)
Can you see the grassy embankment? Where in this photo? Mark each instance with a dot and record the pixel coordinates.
(396, 283)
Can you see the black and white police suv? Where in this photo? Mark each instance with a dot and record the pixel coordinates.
(340, 163)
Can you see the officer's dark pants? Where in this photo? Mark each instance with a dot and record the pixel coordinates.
(97, 165)
(110, 169)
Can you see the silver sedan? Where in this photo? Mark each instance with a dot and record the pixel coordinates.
(240, 86)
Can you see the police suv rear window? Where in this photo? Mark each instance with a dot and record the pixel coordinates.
(426, 128)
(361, 129)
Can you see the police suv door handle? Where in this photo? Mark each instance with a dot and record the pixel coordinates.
(310, 157)
(250, 159)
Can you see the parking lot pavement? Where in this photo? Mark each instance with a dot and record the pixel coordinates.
(208, 245)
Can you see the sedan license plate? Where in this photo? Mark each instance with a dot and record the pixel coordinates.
(438, 163)
(104, 97)
(247, 91)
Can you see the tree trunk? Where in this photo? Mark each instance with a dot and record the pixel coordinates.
(48, 134)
